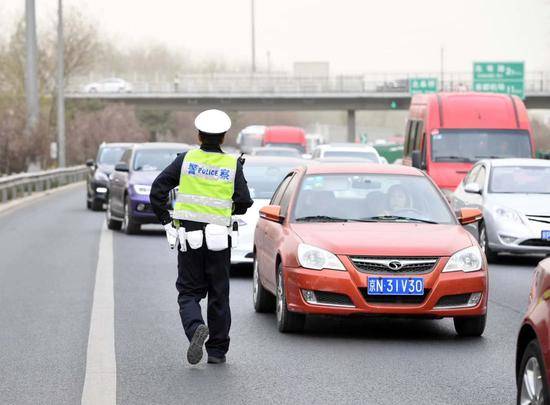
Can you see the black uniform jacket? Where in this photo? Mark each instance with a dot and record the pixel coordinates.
(169, 178)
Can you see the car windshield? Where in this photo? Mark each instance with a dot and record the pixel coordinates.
(473, 145)
(520, 179)
(263, 180)
(154, 159)
(351, 154)
(277, 152)
(370, 197)
(251, 140)
(110, 155)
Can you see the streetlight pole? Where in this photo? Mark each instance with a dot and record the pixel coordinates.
(253, 35)
(31, 67)
(442, 67)
(60, 88)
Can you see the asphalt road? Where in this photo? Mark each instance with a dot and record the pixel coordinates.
(48, 260)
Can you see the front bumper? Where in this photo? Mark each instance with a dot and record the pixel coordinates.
(518, 237)
(98, 191)
(351, 282)
(241, 255)
(141, 210)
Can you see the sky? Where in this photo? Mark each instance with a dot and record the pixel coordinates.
(354, 36)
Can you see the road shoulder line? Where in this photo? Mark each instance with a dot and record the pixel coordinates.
(100, 377)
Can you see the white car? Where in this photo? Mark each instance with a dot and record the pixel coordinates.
(110, 85)
(353, 151)
(263, 174)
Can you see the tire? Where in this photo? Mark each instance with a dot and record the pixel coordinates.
(471, 326)
(129, 225)
(96, 205)
(262, 299)
(112, 224)
(88, 203)
(287, 322)
(531, 379)
(491, 255)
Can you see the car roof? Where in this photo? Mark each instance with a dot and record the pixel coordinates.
(117, 144)
(517, 162)
(273, 161)
(280, 148)
(162, 145)
(362, 168)
(348, 148)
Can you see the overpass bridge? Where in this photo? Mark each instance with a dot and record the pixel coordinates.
(246, 92)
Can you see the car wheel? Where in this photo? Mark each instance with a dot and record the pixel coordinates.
(88, 203)
(112, 224)
(286, 321)
(491, 255)
(96, 205)
(263, 300)
(531, 380)
(129, 225)
(470, 325)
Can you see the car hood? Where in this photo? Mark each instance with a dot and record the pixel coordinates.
(448, 174)
(528, 204)
(107, 169)
(385, 239)
(145, 178)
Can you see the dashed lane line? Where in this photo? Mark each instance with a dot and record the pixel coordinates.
(100, 379)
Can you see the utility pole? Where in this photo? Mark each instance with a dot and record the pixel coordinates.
(442, 59)
(253, 35)
(60, 88)
(31, 67)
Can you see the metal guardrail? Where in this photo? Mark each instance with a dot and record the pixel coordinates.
(23, 184)
(535, 83)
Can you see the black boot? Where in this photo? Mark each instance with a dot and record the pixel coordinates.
(216, 360)
(194, 352)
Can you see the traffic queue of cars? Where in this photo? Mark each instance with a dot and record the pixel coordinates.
(345, 234)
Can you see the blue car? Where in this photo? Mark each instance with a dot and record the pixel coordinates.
(128, 205)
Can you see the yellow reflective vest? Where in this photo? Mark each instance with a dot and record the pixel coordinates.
(207, 183)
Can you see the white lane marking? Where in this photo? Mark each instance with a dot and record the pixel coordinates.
(100, 379)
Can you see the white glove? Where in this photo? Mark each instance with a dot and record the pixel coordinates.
(171, 235)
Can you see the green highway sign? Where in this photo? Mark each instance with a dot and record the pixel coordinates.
(422, 85)
(500, 77)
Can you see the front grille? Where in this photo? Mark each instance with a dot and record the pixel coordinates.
(394, 299)
(536, 242)
(394, 265)
(458, 300)
(325, 297)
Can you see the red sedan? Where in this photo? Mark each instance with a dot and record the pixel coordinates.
(367, 239)
(533, 349)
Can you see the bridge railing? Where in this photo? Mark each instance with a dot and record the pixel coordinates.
(240, 83)
(24, 184)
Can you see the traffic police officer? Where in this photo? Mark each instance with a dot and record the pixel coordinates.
(212, 187)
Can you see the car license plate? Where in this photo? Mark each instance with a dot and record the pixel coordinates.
(395, 286)
(545, 235)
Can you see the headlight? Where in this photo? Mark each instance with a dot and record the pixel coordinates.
(507, 214)
(469, 259)
(100, 176)
(142, 189)
(315, 258)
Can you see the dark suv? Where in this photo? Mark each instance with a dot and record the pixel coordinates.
(128, 205)
(97, 180)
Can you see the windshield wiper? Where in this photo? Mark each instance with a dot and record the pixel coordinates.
(397, 218)
(321, 218)
(453, 157)
(489, 157)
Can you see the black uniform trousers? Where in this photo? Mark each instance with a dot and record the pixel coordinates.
(202, 272)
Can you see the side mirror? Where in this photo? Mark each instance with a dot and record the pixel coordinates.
(272, 213)
(469, 216)
(122, 167)
(417, 160)
(90, 163)
(472, 188)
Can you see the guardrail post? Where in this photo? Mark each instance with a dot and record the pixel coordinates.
(4, 195)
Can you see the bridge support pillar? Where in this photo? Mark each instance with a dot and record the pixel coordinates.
(351, 125)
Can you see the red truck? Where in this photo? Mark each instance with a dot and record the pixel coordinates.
(447, 133)
(285, 136)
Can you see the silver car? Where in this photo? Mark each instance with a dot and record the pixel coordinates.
(263, 174)
(514, 195)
